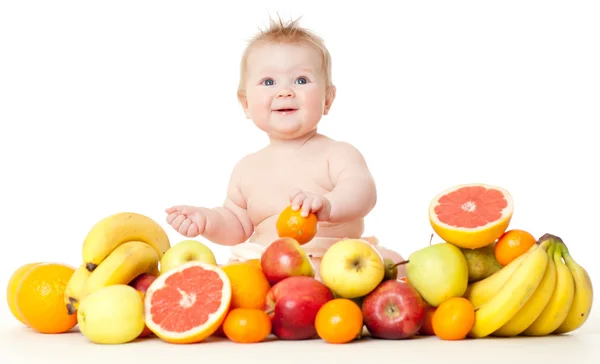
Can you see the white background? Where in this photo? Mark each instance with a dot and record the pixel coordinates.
(130, 106)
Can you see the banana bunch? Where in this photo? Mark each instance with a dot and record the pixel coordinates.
(116, 250)
(544, 291)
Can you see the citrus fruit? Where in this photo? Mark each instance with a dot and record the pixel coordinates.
(188, 303)
(512, 244)
(39, 298)
(471, 215)
(247, 325)
(339, 321)
(146, 332)
(291, 224)
(453, 319)
(11, 289)
(249, 286)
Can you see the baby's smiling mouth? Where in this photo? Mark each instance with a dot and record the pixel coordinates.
(285, 110)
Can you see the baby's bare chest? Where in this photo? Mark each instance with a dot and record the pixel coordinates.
(267, 186)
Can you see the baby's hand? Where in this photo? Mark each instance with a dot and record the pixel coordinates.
(189, 221)
(310, 202)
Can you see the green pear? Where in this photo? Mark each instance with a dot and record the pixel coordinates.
(391, 269)
(482, 262)
(438, 272)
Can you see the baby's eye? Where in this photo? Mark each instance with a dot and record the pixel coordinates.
(268, 82)
(302, 80)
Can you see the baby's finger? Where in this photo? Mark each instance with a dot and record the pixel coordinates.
(177, 222)
(306, 206)
(187, 210)
(295, 193)
(172, 217)
(183, 228)
(192, 231)
(317, 204)
(298, 200)
(171, 210)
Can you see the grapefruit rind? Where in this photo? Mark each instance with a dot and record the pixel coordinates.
(198, 333)
(477, 237)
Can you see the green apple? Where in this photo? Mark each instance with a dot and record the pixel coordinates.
(352, 268)
(186, 251)
(112, 315)
(438, 272)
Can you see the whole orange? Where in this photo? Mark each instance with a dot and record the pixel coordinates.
(453, 319)
(512, 244)
(247, 325)
(11, 289)
(339, 321)
(291, 224)
(248, 284)
(40, 298)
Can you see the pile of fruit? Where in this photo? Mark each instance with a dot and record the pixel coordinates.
(482, 280)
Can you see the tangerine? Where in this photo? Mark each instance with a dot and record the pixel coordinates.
(39, 298)
(453, 319)
(512, 244)
(11, 289)
(339, 321)
(249, 285)
(291, 224)
(247, 325)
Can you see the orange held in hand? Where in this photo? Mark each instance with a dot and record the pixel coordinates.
(39, 298)
(512, 244)
(291, 224)
(247, 325)
(339, 321)
(453, 319)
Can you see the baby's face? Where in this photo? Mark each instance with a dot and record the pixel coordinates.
(285, 89)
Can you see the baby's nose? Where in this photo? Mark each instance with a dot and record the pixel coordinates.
(285, 92)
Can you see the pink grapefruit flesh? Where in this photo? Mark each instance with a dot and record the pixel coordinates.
(188, 304)
(471, 215)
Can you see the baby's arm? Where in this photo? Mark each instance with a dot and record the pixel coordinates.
(229, 224)
(354, 194)
(224, 225)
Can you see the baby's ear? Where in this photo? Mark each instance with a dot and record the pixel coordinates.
(329, 97)
(244, 102)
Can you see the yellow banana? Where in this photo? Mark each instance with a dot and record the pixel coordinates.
(122, 265)
(114, 230)
(535, 305)
(560, 303)
(480, 292)
(513, 294)
(74, 288)
(584, 295)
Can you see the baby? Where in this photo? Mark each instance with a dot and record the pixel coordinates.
(285, 88)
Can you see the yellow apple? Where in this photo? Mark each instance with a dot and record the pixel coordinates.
(186, 251)
(112, 315)
(352, 268)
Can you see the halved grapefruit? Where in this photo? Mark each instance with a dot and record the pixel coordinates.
(471, 215)
(188, 303)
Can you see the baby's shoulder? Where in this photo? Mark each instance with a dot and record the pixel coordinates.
(339, 149)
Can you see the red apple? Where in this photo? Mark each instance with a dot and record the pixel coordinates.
(393, 310)
(285, 258)
(293, 304)
(141, 283)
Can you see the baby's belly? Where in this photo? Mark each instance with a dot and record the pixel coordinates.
(327, 234)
